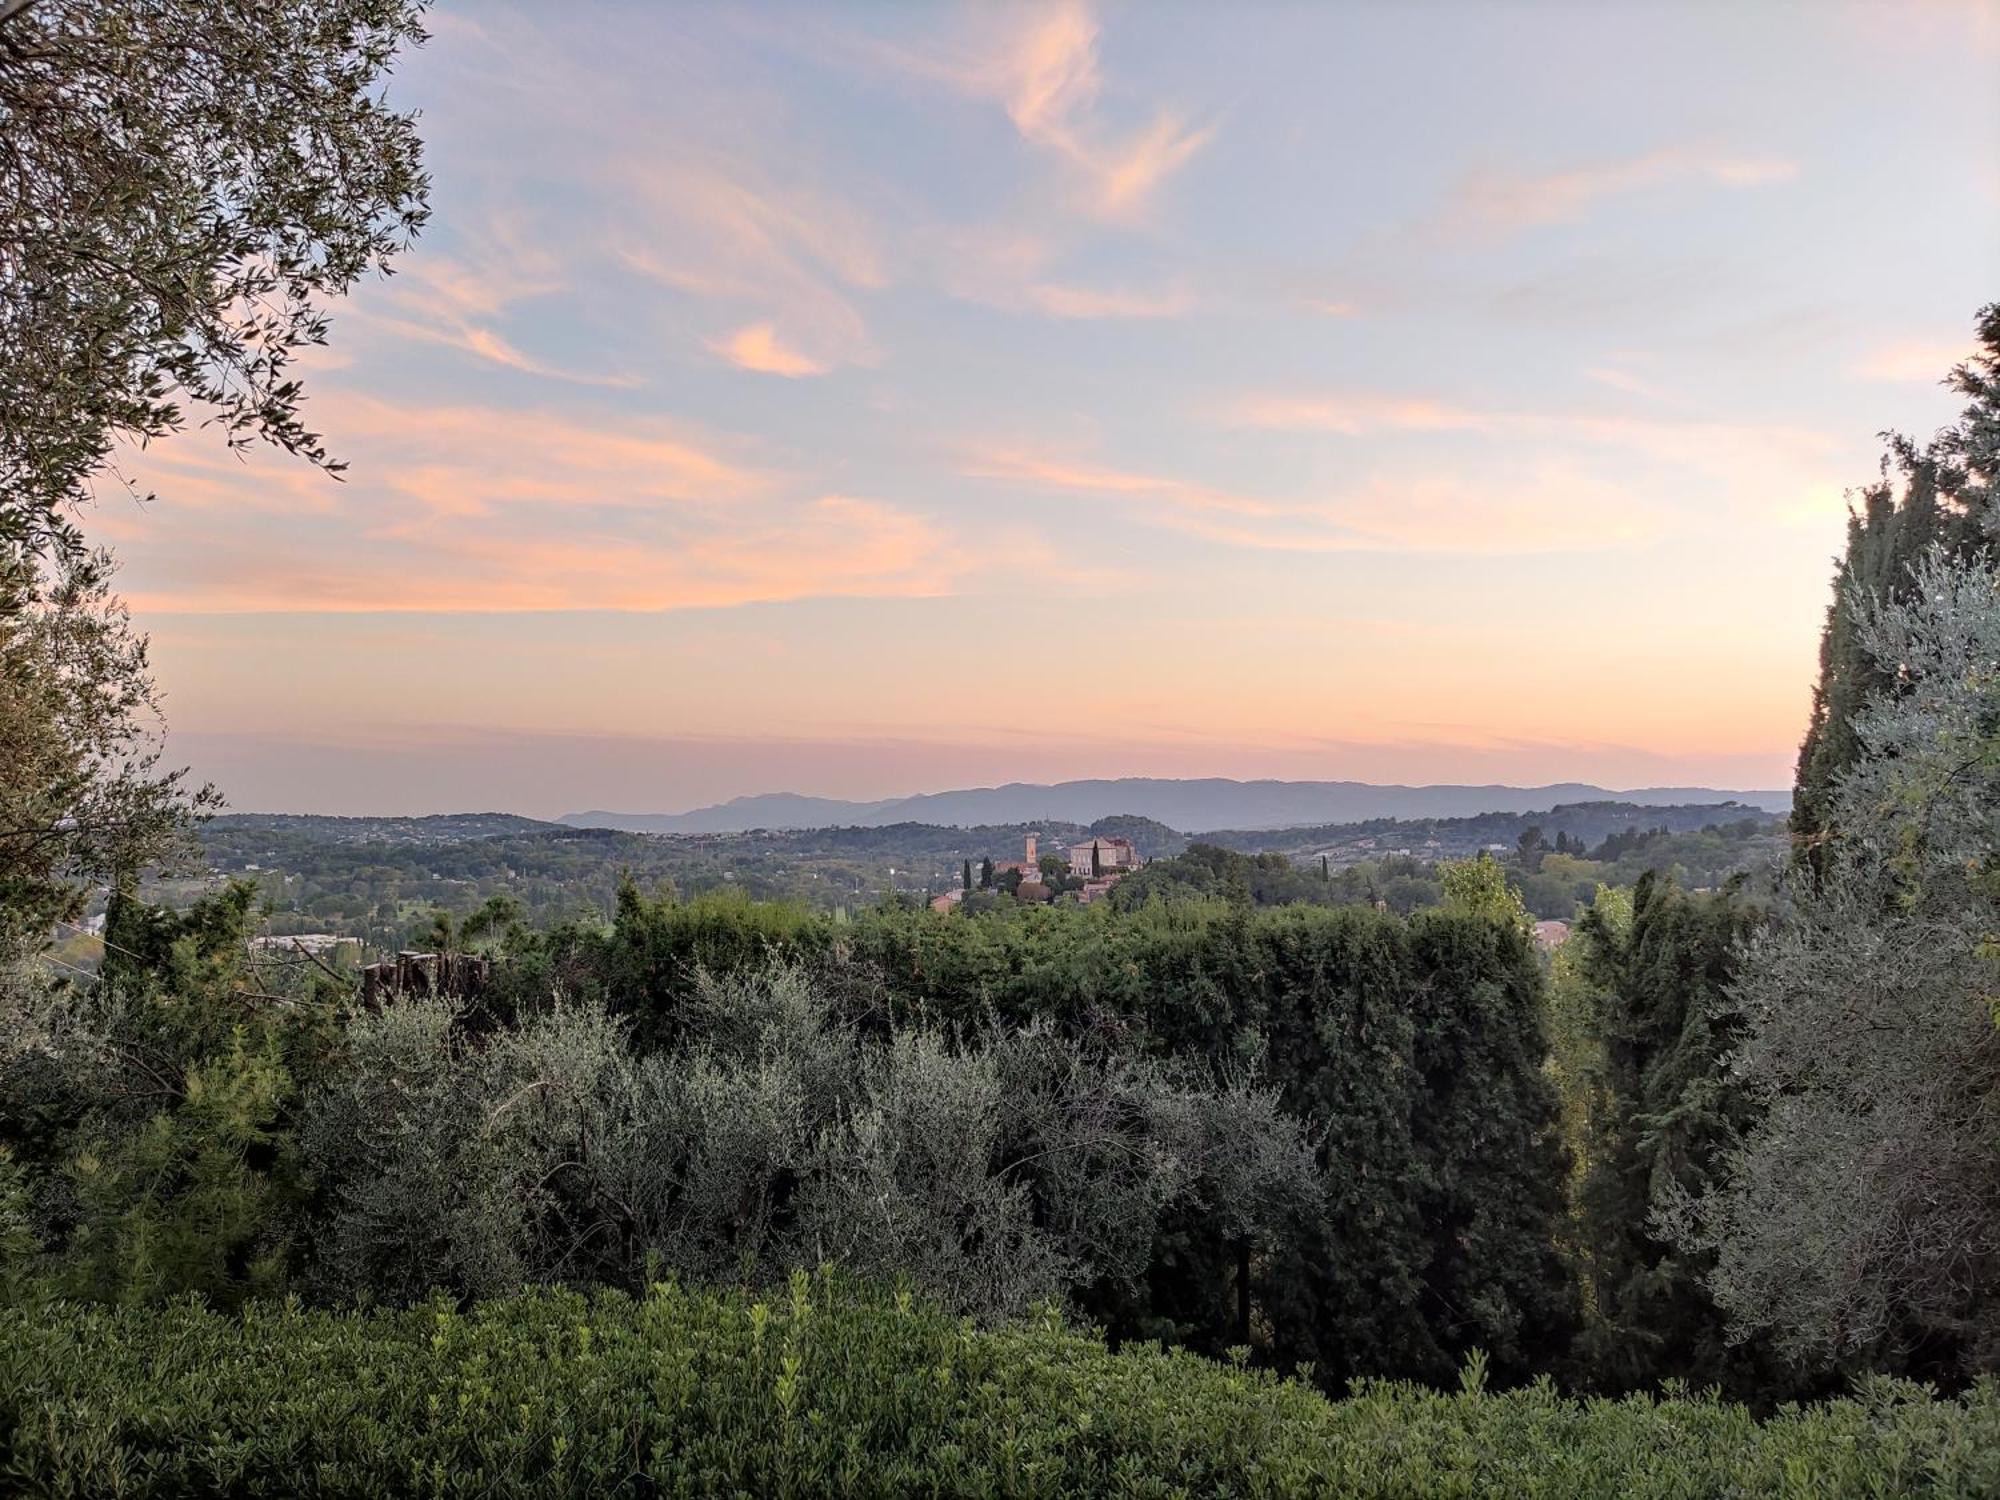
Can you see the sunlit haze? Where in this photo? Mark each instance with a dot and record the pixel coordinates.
(861, 401)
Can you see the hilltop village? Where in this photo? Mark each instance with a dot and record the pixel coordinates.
(1082, 873)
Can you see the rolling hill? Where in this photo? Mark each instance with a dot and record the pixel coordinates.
(1209, 802)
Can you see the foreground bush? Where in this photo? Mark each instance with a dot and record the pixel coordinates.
(841, 1392)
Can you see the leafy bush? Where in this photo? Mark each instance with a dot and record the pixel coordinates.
(996, 1169)
(842, 1391)
(1415, 1047)
(147, 1118)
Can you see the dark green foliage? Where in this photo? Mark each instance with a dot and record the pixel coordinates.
(993, 1170)
(1663, 1028)
(151, 1116)
(839, 1391)
(1413, 1048)
(1552, 882)
(1458, 838)
(1416, 1047)
(1207, 872)
(1151, 838)
(1944, 487)
(1860, 1219)
(82, 795)
(1531, 846)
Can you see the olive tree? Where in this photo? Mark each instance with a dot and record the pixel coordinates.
(83, 796)
(993, 1170)
(1860, 1216)
(183, 185)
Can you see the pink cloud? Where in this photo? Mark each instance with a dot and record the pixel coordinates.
(833, 547)
(1056, 472)
(1788, 473)
(725, 228)
(756, 346)
(1506, 201)
(1910, 361)
(1356, 414)
(1049, 81)
(1043, 70)
(455, 301)
(464, 508)
(1082, 302)
(1558, 509)
(1623, 380)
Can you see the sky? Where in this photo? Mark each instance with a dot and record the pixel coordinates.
(866, 400)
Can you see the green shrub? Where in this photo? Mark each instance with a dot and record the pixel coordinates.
(1414, 1047)
(844, 1391)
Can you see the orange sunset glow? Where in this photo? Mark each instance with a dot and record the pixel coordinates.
(933, 397)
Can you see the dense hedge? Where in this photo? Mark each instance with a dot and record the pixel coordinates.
(1416, 1045)
(849, 1392)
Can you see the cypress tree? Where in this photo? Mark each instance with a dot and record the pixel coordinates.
(1944, 485)
(1664, 1026)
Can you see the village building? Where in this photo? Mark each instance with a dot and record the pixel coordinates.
(1096, 857)
(1096, 865)
(1028, 868)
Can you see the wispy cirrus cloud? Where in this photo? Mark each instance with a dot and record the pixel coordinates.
(1041, 65)
(1050, 81)
(1793, 473)
(1060, 300)
(463, 508)
(1492, 201)
(1911, 361)
(1015, 269)
(1367, 414)
(459, 300)
(464, 460)
(728, 228)
(832, 547)
(1066, 473)
(1355, 413)
(1623, 380)
(1559, 508)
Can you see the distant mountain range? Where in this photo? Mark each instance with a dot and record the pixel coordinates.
(1195, 804)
